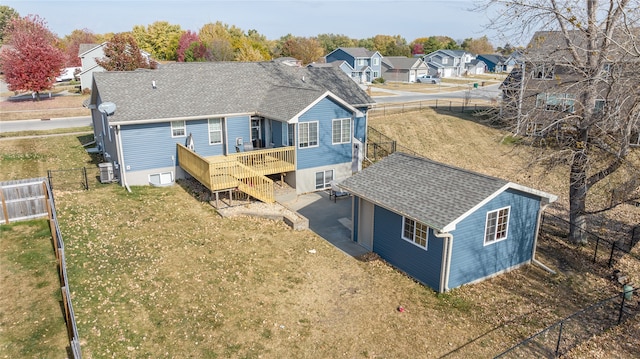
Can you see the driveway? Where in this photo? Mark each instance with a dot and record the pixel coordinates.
(328, 219)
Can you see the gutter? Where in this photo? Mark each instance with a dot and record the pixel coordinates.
(123, 175)
(446, 259)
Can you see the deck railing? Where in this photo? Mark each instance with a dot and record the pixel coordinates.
(267, 161)
(245, 170)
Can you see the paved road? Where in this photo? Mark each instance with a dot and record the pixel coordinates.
(54, 123)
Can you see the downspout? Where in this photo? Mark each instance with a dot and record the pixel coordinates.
(123, 176)
(446, 259)
(535, 240)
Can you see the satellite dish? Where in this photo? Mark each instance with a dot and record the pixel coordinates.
(108, 108)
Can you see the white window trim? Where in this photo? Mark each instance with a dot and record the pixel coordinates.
(209, 131)
(326, 184)
(171, 179)
(308, 141)
(184, 128)
(486, 223)
(412, 240)
(339, 121)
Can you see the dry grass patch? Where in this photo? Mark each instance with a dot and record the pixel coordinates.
(31, 318)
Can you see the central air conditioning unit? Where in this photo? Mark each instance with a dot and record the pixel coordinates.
(106, 172)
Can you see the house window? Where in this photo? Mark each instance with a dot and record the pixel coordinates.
(376, 61)
(161, 179)
(497, 225)
(543, 71)
(415, 232)
(361, 62)
(323, 179)
(562, 102)
(445, 60)
(178, 129)
(307, 134)
(341, 132)
(375, 74)
(215, 131)
(290, 134)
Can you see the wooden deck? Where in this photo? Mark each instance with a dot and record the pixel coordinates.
(245, 171)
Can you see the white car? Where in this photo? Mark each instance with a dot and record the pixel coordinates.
(428, 79)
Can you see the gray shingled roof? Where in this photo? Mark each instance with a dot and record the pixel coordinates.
(358, 51)
(400, 62)
(82, 48)
(426, 191)
(222, 88)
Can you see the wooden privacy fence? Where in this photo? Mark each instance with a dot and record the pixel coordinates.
(23, 200)
(31, 199)
(69, 315)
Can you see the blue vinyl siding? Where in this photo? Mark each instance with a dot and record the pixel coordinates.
(237, 127)
(360, 127)
(325, 153)
(422, 265)
(355, 218)
(277, 133)
(200, 131)
(340, 54)
(150, 146)
(472, 260)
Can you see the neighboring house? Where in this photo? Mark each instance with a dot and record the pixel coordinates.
(452, 63)
(495, 63)
(230, 125)
(404, 69)
(363, 65)
(541, 95)
(88, 54)
(442, 225)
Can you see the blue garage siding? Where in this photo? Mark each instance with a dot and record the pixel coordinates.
(472, 260)
(326, 153)
(237, 127)
(387, 243)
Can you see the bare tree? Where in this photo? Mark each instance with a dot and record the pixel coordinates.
(578, 90)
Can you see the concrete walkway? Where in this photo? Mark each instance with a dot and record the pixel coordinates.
(328, 219)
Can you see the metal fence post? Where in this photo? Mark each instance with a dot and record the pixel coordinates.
(613, 247)
(559, 338)
(621, 307)
(86, 180)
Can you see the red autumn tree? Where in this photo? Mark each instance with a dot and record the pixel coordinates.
(123, 54)
(70, 45)
(32, 60)
(188, 37)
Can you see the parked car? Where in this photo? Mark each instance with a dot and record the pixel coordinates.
(428, 79)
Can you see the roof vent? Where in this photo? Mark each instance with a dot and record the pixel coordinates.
(153, 84)
(303, 79)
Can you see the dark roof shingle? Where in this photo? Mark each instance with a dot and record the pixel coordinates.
(429, 192)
